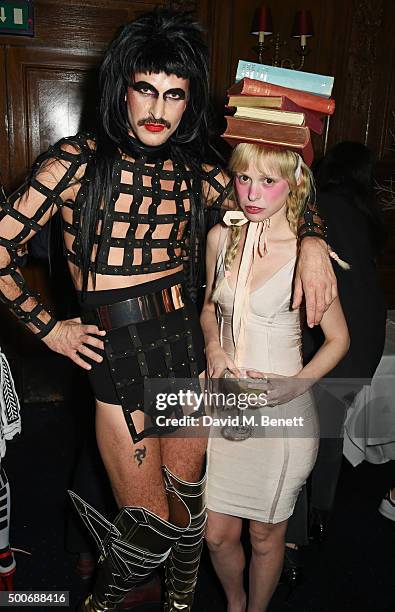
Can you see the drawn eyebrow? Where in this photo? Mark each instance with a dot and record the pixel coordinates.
(144, 85)
(176, 90)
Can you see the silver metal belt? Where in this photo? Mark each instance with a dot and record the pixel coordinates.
(138, 309)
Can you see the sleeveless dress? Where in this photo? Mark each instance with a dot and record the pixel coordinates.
(259, 478)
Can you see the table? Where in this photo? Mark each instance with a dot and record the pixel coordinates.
(370, 423)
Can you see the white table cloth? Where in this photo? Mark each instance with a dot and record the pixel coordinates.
(370, 423)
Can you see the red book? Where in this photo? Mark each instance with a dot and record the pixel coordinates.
(277, 135)
(313, 118)
(252, 87)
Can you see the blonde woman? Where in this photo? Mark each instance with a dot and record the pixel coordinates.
(248, 324)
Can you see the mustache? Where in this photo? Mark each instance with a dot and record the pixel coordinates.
(154, 120)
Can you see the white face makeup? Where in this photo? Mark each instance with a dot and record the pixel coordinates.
(260, 196)
(156, 104)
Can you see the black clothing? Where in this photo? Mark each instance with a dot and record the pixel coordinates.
(359, 290)
(169, 347)
(364, 309)
(150, 193)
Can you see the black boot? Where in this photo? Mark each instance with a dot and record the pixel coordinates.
(318, 525)
(292, 573)
(131, 548)
(182, 565)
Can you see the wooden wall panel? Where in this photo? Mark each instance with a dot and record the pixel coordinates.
(4, 148)
(222, 44)
(79, 25)
(46, 100)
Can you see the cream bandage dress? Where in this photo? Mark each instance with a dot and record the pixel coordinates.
(259, 478)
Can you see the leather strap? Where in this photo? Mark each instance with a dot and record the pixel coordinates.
(138, 309)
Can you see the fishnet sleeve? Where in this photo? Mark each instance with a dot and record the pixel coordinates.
(216, 187)
(24, 214)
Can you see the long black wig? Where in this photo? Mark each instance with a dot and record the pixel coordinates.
(159, 41)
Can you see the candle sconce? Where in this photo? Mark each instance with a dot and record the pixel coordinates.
(262, 27)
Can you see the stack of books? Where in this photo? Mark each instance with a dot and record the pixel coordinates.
(267, 112)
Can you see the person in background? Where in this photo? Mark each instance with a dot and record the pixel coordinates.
(355, 229)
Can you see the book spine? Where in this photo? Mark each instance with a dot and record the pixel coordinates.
(306, 152)
(318, 84)
(287, 135)
(251, 87)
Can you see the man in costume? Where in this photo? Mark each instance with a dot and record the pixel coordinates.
(131, 200)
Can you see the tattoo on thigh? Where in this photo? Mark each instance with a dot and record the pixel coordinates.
(140, 454)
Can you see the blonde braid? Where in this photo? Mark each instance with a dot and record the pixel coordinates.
(299, 197)
(231, 250)
(230, 254)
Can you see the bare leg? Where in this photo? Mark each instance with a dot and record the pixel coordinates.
(267, 541)
(227, 555)
(134, 470)
(184, 456)
(136, 478)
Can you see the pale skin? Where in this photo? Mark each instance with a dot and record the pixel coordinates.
(155, 99)
(260, 197)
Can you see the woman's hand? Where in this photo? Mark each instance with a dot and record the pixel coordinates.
(315, 279)
(218, 361)
(277, 388)
(73, 338)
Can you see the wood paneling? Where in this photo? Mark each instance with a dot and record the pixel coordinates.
(4, 148)
(47, 94)
(221, 46)
(79, 25)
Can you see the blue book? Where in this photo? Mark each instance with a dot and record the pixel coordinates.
(318, 84)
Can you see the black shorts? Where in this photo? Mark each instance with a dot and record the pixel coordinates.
(171, 346)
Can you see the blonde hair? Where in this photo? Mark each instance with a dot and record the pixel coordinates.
(272, 163)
